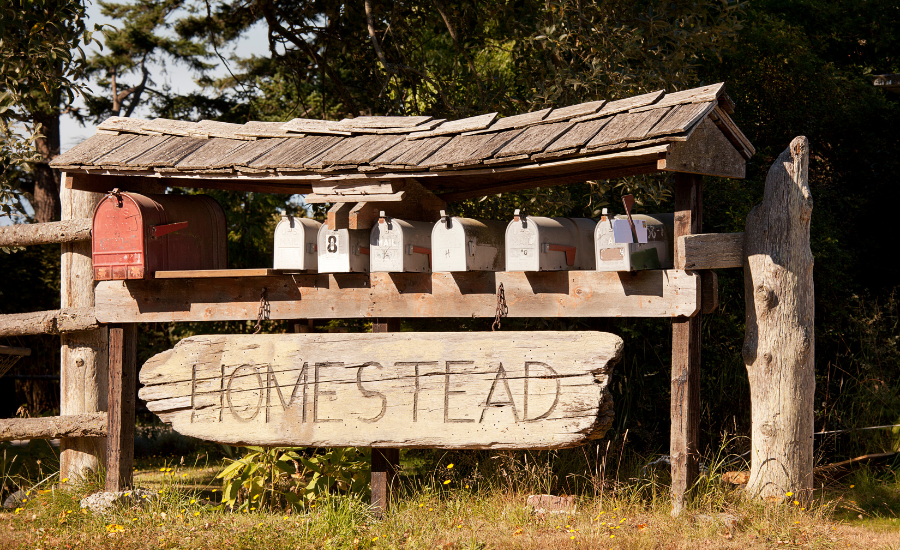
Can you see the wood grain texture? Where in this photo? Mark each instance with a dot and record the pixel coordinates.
(732, 132)
(121, 402)
(385, 121)
(490, 147)
(28, 234)
(214, 273)
(209, 154)
(167, 153)
(83, 355)
(133, 148)
(685, 394)
(91, 149)
(506, 390)
(534, 139)
(458, 149)
(57, 321)
(514, 121)
(779, 346)
(702, 94)
(319, 296)
(709, 251)
(53, 427)
(621, 105)
(123, 124)
(257, 129)
(707, 152)
(294, 153)
(167, 126)
(567, 113)
(457, 126)
(578, 135)
(216, 129)
(680, 119)
(385, 461)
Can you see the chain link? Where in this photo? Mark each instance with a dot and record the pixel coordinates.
(264, 311)
(502, 308)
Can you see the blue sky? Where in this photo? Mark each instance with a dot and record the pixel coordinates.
(175, 76)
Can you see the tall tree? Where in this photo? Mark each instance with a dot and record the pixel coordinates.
(41, 64)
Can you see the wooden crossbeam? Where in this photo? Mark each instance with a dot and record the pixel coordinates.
(53, 427)
(663, 293)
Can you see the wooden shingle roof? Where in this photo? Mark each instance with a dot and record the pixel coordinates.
(478, 155)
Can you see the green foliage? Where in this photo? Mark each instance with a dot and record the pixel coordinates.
(278, 478)
(42, 64)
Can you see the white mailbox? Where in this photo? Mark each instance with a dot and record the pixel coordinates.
(343, 250)
(399, 246)
(465, 244)
(648, 246)
(295, 244)
(549, 244)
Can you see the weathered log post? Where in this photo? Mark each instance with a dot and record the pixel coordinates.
(83, 354)
(779, 344)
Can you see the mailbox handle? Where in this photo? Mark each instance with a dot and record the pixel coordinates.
(160, 230)
(569, 250)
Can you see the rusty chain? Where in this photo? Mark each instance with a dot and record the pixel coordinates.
(264, 311)
(502, 308)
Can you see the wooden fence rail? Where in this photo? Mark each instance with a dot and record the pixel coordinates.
(56, 321)
(67, 231)
(54, 427)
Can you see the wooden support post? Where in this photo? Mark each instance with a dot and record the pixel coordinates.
(384, 461)
(685, 356)
(83, 354)
(120, 418)
(779, 345)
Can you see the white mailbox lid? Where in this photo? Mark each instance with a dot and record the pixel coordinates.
(466, 244)
(343, 250)
(295, 244)
(535, 243)
(399, 246)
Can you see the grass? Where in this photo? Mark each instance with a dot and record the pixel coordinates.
(449, 508)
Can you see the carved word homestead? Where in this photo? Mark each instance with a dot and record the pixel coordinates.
(505, 390)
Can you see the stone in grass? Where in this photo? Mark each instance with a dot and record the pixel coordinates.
(543, 504)
(103, 501)
(15, 499)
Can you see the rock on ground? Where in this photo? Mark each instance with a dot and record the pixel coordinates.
(103, 501)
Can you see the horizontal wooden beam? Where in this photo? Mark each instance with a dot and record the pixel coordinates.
(56, 321)
(53, 427)
(709, 251)
(664, 293)
(46, 233)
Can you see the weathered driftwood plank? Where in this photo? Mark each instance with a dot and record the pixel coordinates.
(669, 293)
(492, 390)
(694, 95)
(55, 321)
(534, 139)
(53, 427)
(709, 251)
(779, 348)
(28, 234)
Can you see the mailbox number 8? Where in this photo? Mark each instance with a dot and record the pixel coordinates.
(332, 243)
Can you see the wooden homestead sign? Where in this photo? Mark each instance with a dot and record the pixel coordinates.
(498, 390)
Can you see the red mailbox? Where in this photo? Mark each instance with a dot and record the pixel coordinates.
(133, 236)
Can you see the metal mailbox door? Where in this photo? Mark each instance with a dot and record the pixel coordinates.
(343, 250)
(536, 243)
(295, 244)
(657, 253)
(466, 244)
(399, 246)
